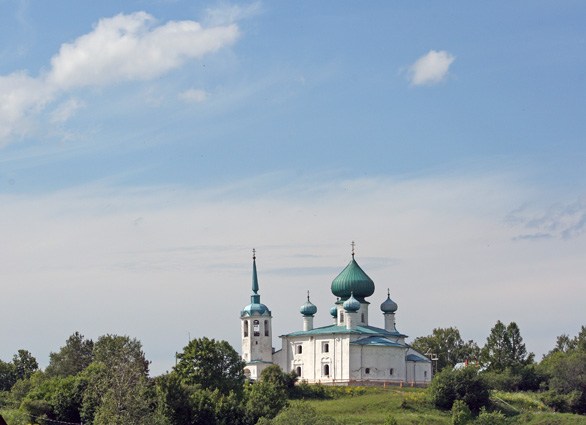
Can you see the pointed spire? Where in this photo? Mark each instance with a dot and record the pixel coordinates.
(254, 275)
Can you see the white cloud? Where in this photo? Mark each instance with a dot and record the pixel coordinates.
(20, 97)
(128, 47)
(449, 260)
(66, 110)
(194, 96)
(119, 49)
(232, 13)
(431, 68)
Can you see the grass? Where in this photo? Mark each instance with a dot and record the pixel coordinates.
(410, 406)
(376, 405)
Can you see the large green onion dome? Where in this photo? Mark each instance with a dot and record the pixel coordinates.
(353, 280)
(308, 309)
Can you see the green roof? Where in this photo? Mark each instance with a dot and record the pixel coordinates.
(378, 341)
(417, 359)
(334, 329)
(353, 280)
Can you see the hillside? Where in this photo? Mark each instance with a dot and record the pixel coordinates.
(411, 406)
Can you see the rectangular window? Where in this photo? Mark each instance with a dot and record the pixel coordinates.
(266, 328)
(325, 347)
(256, 328)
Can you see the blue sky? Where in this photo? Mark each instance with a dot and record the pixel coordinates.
(147, 146)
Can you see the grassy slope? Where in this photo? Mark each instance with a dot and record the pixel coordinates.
(410, 406)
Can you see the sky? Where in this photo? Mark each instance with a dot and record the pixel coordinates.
(147, 146)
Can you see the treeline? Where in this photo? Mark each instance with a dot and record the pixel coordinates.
(107, 382)
(503, 363)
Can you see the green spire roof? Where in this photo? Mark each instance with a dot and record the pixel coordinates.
(353, 280)
(254, 276)
(255, 307)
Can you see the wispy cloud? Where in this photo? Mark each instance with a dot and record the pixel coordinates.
(119, 49)
(230, 13)
(194, 96)
(561, 220)
(431, 68)
(439, 244)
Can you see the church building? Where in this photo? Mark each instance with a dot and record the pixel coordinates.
(349, 351)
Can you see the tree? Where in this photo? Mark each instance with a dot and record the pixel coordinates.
(25, 364)
(7, 375)
(118, 388)
(505, 349)
(211, 364)
(448, 345)
(72, 358)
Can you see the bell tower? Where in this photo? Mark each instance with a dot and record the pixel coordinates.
(256, 331)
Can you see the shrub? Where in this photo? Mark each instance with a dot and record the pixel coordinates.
(464, 384)
(461, 413)
(490, 418)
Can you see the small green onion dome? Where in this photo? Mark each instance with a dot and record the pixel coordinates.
(351, 305)
(334, 311)
(389, 306)
(308, 309)
(353, 280)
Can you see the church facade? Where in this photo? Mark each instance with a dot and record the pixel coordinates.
(349, 351)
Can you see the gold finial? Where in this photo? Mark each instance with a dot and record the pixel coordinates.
(253, 254)
(353, 246)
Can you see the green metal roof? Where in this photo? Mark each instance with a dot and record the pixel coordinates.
(255, 308)
(417, 359)
(352, 280)
(335, 329)
(378, 341)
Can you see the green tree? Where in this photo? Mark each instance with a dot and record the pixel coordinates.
(448, 345)
(567, 372)
(25, 364)
(211, 364)
(7, 375)
(504, 348)
(72, 358)
(118, 391)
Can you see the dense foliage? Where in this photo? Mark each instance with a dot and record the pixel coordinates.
(108, 382)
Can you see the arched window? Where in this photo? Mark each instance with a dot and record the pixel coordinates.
(298, 371)
(299, 349)
(326, 348)
(367, 370)
(256, 328)
(245, 328)
(392, 371)
(266, 328)
(327, 370)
